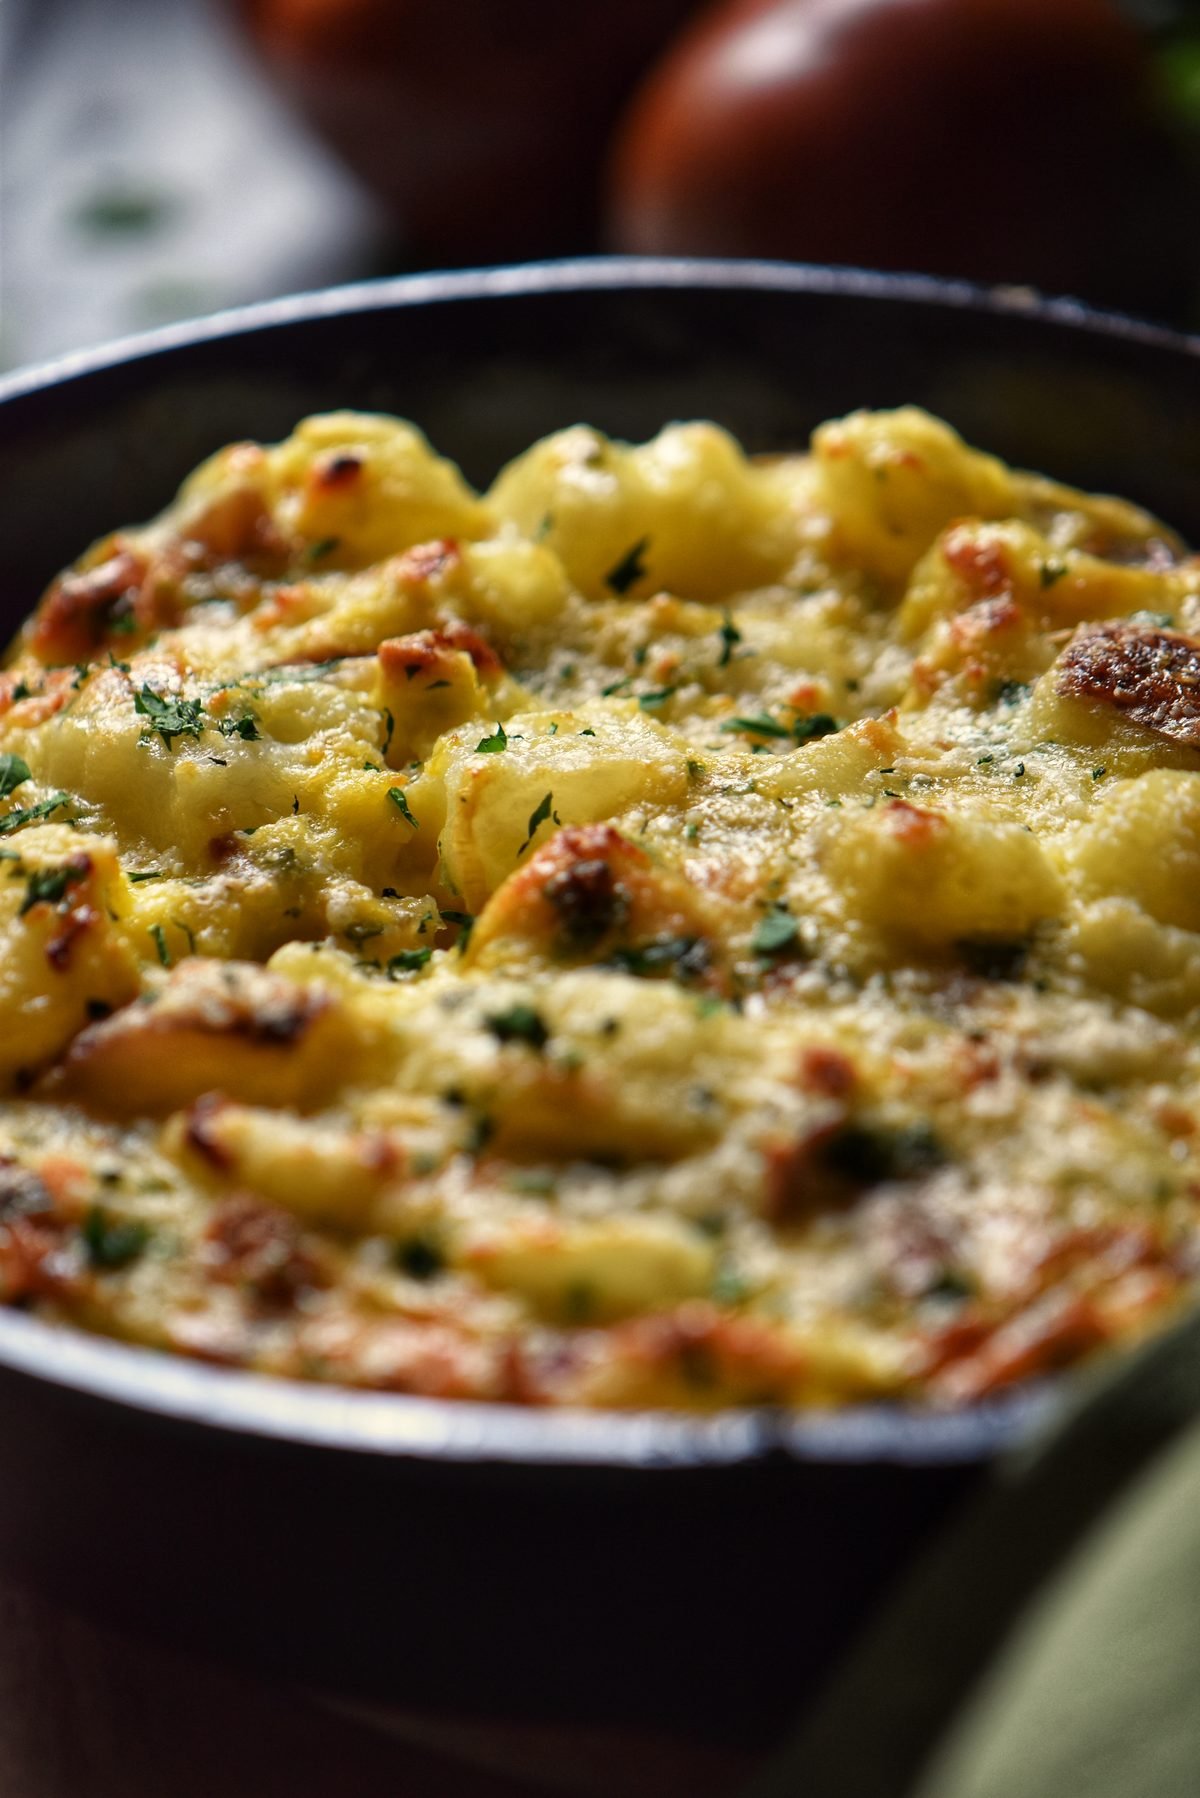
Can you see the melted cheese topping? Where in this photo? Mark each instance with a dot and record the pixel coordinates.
(673, 930)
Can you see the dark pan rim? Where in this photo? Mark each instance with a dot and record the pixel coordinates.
(400, 1426)
(594, 274)
(345, 1421)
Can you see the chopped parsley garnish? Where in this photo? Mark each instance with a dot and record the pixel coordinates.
(408, 961)
(730, 637)
(820, 724)
(160, 944)
(362, 933)
(519, 1024)
(396, 795)
(777, 931)
(109, 1243)
(682, 956)
(465, 921)
(48, 885)
(629, 570)
(390, 721)
(1099, 773)
(171, 717)
(16, 820)
(318, 551)
(614, 687)
(494, 744)
(138, 876)
(13, 773)
(659, 696)
(760, 725)
(543, 811)
(1051, 571)
(245, 727)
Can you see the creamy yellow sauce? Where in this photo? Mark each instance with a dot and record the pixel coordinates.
(673, 929)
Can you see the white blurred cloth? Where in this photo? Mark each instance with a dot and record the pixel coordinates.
(148, 173)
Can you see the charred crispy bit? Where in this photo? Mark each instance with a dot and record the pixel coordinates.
(828, 1072)
(591, 894)
(430, 561)
(433, 655)
(213, 1027)
(336, 472)
(263, 1249)
(1152, 676)
(695, 1356)
(462, 636)
(76, 925)
(81, 610)
(588, 900)
(30, 1232)
(838, 1158)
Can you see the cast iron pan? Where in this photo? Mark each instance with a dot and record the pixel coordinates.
(486, 1559)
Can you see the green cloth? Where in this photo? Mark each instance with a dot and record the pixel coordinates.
(1048, 1648)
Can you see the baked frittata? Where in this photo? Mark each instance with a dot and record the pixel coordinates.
(673, 930)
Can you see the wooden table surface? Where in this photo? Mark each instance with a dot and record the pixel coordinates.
(85, 1713)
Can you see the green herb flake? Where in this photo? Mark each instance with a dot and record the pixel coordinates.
(318, 551)
(245, 727)
(171, 717)
(1051, 571)
(139, 876)
(760, 725)
(519, 1024)
(629, 570)
(408, 961)
(777, 931)
(160, 944)
(14, 772)
(109, 1243)
(465, 921)
(1099, 773)
(46, 886)
(396, 795)
(820, 724)
(658, 697)
(540, 815)
(730, 637)
(32, 813)
(493, 745)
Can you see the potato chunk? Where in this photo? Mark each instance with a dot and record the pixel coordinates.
(61, 958)
(223, 1027)
(893, 480)
(1143, 842)
(583, 770)
(686, 512)
(934, 880)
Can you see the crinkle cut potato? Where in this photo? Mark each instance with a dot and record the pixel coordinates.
(673, 930)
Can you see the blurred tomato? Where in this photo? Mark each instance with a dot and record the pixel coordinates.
(1005, 140)
(483, 122)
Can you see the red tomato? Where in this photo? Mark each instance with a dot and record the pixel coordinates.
(1006, 140)
(483, 122)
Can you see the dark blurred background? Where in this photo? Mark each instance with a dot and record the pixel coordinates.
(164, 158)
